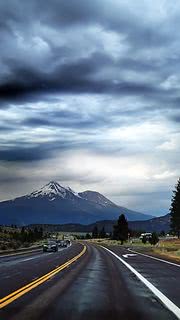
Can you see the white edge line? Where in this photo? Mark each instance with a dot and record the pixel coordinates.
(168, 303)
(151, 257)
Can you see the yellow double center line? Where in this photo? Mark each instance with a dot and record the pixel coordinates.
(20, 292)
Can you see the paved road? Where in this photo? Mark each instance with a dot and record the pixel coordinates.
(96, 286)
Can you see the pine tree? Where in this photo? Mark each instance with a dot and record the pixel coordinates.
(144, 239)
(121, 229)
(95, 232)
(102, 233)
(88, 236)
(162, 233)
(23, 234)
(175, 210)
(41, 233)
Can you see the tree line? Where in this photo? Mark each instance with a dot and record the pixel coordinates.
(14, 237)
(28, 235)
(121, 232)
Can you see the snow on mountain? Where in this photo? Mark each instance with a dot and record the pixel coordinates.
(52, 190)
(73, 192)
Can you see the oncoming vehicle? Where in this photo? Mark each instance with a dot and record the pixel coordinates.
(50, 246)
(148, 235)
(68, 242)
(63, 243)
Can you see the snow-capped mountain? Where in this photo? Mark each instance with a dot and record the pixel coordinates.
(56, 204)
(52, 191)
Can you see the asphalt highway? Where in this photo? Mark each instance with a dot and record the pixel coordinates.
(88, 282)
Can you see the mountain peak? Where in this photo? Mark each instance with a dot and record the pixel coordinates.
(53, 183)
(51, 190)
(54, 190)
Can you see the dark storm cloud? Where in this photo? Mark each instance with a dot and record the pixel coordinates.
(36, 122)
(31, 153)
(65, 122)
(71, 77)
(65, 67)
(25, 84)
(36, 153)
(23, 154)
(95, 76)
(25, 79)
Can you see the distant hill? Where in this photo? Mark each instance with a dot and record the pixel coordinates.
(55, 204)
(156, 224)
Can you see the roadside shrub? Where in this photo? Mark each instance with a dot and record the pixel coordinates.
(144, 239)
(16, 245)
(26, 244)
(3, 247)
(154, 239)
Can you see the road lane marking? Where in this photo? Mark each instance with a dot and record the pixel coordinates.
(129, 255)
(19, 253)
(27, 252)
(151, 257)
(167, 302)
(18, 293)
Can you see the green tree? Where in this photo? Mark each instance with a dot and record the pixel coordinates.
(88, 236)
(144, 239)
(162, 233)
(175, 210)
(95, 232)
(102, 233)
(30, 236)
(154, 238)
(120, 231)
(23, 234)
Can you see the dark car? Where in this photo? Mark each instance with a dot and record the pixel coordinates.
(68, 242)
(50, 246)
(62, 243)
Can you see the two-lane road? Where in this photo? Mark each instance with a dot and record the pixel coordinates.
(99, 284)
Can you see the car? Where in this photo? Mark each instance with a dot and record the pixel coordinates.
(68, 242)
(50, 246)
(148, 235)
(62, 243)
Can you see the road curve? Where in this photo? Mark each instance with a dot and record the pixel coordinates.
(96, 286)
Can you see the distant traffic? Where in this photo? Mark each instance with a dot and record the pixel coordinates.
(52, 245)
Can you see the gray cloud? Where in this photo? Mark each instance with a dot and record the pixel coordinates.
(90, 76)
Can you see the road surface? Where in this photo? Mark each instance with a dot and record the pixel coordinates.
(96, 284)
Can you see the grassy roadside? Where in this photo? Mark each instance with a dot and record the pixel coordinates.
(165, 248)
(169, 249)
(21, 250)
(14, 239)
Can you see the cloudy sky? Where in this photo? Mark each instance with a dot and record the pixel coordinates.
(89, 96)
